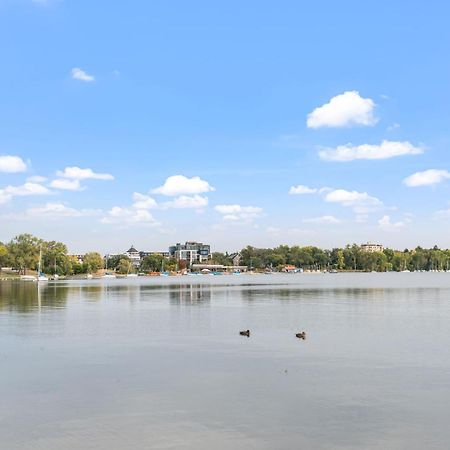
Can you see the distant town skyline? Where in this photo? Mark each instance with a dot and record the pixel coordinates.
(233, 126)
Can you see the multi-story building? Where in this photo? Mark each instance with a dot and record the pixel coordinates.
(134, 255)
(145, 254)
(236, 258)
(371, 247)
(191, 252)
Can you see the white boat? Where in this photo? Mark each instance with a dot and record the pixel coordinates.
(109, 275)
(27, 278)
(41, 278)
(132, 275)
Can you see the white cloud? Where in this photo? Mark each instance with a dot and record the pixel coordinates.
(361, 218)
(129, 216)
(55, 210)
(323, 220)
(179, 185)
(185, 201)
(442, 214)
(238, 213)
(81, 75)
(344, 110)
(67, 185)
(361, 202)
(27, 189)
(385, 224)
(76, 173)
(301, 189)
(142, 201)
(36, 179)
(4, 197)
(393, 127)
(387, 149)
(427, 178)
(12, 164)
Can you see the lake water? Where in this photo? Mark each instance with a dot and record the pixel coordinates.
(158, 363)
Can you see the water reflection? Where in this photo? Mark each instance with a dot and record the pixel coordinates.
(26, 297)
(190, 294)
(160, 364)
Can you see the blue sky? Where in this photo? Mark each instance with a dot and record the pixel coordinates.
(246, 101)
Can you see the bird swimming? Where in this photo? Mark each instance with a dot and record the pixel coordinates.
(245, 333)
(301, 335)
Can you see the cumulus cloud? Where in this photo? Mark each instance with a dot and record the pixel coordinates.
(301, 189)
(36, 179)
(427, 178)
(331, 220)
(181, 185)
(442, 214)
(142, 201)
(76, 173)
(27, 189)
(385, 224)
(4, 197)
(344, 110)
(238, 213)
(186, 201)
(81, 75)
(387, 149)
(66, 184)
(59, 210)
(361, 202)
(129, 216)
(12, 164)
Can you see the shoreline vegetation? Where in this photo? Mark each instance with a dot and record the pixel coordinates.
(20, 256)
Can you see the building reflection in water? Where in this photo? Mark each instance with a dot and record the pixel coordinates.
(190, 294)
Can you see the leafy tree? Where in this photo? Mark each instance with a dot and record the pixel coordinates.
(4, 255)
(152, 263)
(221, 258)
(125, 266)
(24, 251)
(92, 262)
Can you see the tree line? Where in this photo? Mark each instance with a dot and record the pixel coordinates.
(22, 253)
(350, 257)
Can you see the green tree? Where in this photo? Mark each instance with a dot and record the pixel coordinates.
(125, 266)
(4, 255)
(24, 251)
(54, 257)
(221, 258)
(92, 262)
(153, 263)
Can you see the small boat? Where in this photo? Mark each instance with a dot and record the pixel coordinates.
(89, 276)
(301, 335)
(245, 333)
(27, 278)
(41, 278)
(108, 275)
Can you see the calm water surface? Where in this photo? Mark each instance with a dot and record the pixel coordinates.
(159, 364)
